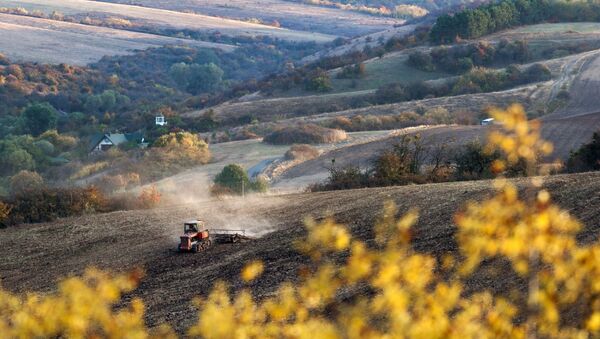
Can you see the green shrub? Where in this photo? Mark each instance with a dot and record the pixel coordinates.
(233, 179)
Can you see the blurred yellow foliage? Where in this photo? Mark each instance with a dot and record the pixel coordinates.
(385, 289)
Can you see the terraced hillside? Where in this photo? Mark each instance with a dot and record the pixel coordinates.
(115, 241)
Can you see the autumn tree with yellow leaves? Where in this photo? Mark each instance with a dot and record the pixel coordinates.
(394, 291)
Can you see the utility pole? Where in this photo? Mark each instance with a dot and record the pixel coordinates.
(243, 189)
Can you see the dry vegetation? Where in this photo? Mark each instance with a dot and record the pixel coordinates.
(48, 41)
(305, 134)
(566, 134)
(301, 152)
(163, 18)
(286, 13)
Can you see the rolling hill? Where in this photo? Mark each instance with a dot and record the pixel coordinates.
(114, 241)
(163, 18)
(25, 39)
(289, 14)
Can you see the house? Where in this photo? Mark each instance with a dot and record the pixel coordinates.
(104, 142)
(487, 122)
(160, 120)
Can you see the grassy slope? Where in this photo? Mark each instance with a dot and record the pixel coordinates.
(48, 41)
(391, 68)
(163, 18)
(114, 241)
(289, 14)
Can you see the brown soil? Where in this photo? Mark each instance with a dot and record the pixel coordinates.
(34, 256)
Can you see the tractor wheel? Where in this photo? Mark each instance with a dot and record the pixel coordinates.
(208, 243)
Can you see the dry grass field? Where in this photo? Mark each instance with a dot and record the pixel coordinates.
(285, 107)
(584, 90)
(289, 14)
(123, 240)
(163, 18)
(49, 41)
(372, 40)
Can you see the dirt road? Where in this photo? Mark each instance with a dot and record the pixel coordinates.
(585, 88)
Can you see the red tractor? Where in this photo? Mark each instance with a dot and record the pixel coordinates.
(196, 237)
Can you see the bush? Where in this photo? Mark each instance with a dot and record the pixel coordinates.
(473, 163)
(5, 210)
(305, 134)
(259, 185)
(301, 152)
(171, 153)
(319, 81)
(149, 198)
(49, 204)
(421, 60)
(342, 179)
(25, 181)
(400, 165)
(233, 179)
(587, 157)
(352, 71)
(438, 115)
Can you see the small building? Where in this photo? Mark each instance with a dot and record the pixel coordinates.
(160, 120)
(487, 122)
(104, 142)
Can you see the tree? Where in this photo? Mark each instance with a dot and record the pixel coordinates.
(14, 158)
(233, 177)
(421, 60)
(38, 118)
(205, 78)
(319, 81)
(586, 158)
(196, 78)
(25, 181)
(472, 162)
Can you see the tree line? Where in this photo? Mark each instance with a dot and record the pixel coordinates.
(477, 22)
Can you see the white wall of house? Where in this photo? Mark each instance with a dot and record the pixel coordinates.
(104, 144)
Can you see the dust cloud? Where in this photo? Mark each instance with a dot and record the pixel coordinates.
(231, 213)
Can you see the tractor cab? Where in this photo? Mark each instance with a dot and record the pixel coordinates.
(194, 226)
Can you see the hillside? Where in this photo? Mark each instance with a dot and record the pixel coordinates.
(163, 18)
(45, 41)
(293, 15)
(114, 241)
